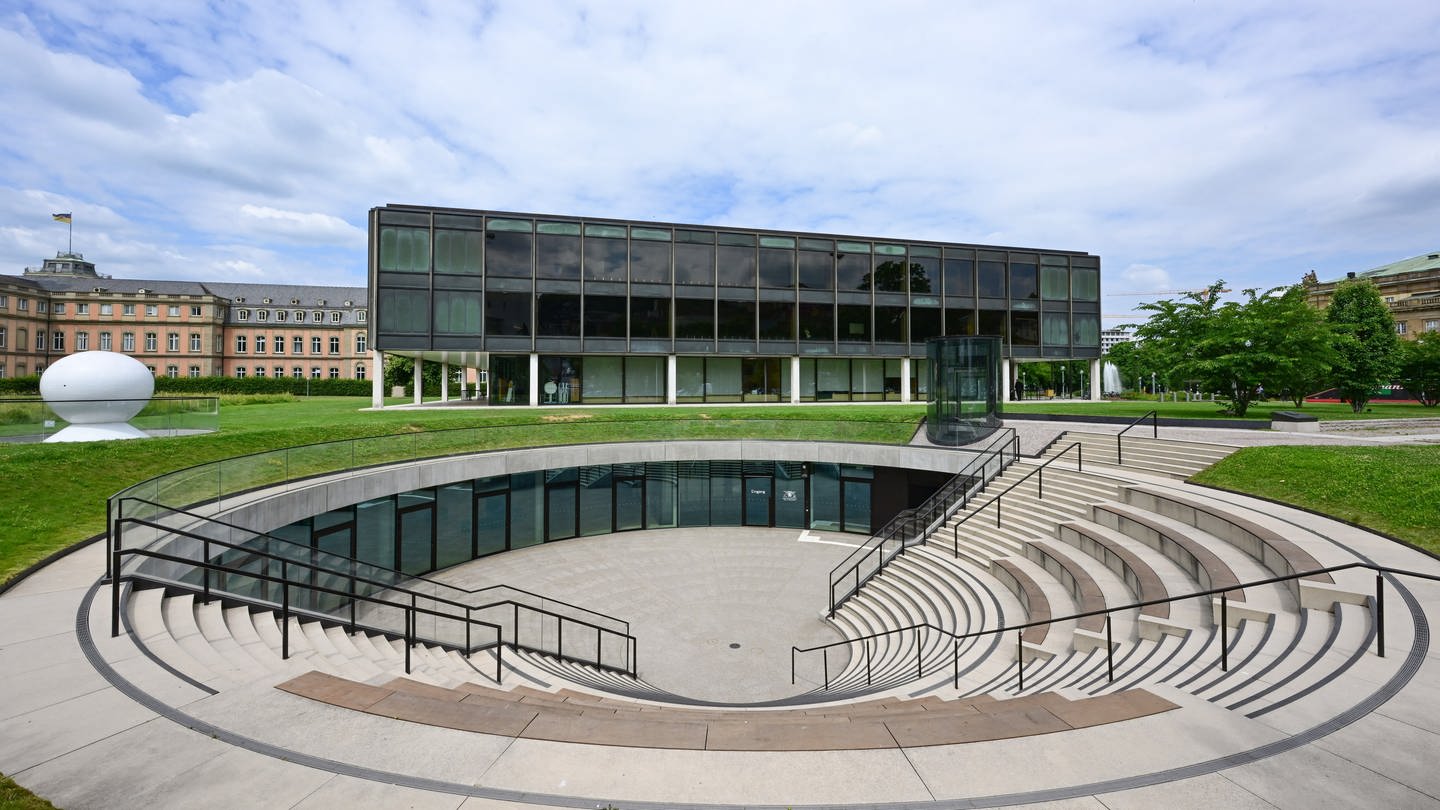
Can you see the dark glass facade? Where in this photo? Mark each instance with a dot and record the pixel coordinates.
(436, 527)
(749, 301)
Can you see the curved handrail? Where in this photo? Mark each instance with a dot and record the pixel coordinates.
(352, 578)
(1154, 418)
(343, 558)
(1379, 611)
(926, 517)
(1040, 470)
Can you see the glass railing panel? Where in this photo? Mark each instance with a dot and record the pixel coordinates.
(317, 459)
(244, 473)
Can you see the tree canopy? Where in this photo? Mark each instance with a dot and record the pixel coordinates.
(1367, 347)
(1239, 349)
(1420, 368)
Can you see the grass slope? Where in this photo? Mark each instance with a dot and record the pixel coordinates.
(1211, 410)
(1395, 490)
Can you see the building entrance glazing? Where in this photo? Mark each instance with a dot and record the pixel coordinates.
(436, 527)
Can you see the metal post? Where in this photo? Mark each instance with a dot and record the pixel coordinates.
(599, 650)
(1020, 657)
(957, 541)
(1380, 615)
(1224, 634)
(825, 657)
(284, 610)
(499, 655)
(467, 632)
(1040, 484)
(559, 638)
(515, 628)
(205, 566)
(1109, 650)
(409, 632)
(997, 511)
(792, 666)
(957, 663)
(1080, 457)
(867, 662)
(919, 663)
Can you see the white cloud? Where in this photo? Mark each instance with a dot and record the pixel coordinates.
(1145, 278)
(1226, 140)
(300, 227)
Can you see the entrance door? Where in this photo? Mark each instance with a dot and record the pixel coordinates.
(758, 501)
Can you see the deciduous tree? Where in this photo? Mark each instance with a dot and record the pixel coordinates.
(1368, 349)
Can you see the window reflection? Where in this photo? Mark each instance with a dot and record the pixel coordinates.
(507, 253)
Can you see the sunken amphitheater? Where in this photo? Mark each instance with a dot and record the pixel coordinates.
(1065, 624)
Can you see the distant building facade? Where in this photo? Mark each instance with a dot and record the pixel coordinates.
(1110, 338)
(1410, 287)
(182, 328)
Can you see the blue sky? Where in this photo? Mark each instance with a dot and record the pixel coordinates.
(1182, 142)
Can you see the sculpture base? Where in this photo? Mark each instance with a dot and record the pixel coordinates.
(98, 432)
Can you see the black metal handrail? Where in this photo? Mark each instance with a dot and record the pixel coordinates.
(1378, 610)
(920, 521)
(1154, 418)
(1040, 471)
(463, 610)
(411, 610)
(414, 578)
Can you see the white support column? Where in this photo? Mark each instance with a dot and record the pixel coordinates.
(377, 379)
(1095, 380)
(419, 386)
(904, 379)
(795, 380)
(445, 381)
(670, 379)
(1005, 385)
(534, 379)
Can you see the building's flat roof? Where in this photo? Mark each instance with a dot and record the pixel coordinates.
(726, 228)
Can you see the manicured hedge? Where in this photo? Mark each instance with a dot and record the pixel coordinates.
(30, 386)
(20, 386)
(262, 385)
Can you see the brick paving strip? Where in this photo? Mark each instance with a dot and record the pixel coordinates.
(574, 717)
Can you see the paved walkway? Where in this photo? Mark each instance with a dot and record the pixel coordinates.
(148, 739)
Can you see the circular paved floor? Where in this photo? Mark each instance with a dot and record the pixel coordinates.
(716, 610)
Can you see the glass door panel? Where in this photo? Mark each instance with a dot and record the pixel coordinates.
(856, 506)
(490, 515)
(757, 500)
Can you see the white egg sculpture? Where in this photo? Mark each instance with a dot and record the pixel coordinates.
(97, 393)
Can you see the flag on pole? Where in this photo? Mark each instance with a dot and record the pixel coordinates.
(61, 217)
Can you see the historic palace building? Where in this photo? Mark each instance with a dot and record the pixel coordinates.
(182, 328)
(1411, 288)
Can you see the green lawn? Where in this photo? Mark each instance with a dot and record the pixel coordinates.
(1395, 490)
(55, 493)
(1211, 410)
(14, 797)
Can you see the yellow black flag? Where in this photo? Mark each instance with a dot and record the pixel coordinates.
(61, 217)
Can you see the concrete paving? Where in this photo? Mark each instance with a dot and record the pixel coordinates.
(148, 740)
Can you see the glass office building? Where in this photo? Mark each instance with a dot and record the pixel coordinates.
(570, 310)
